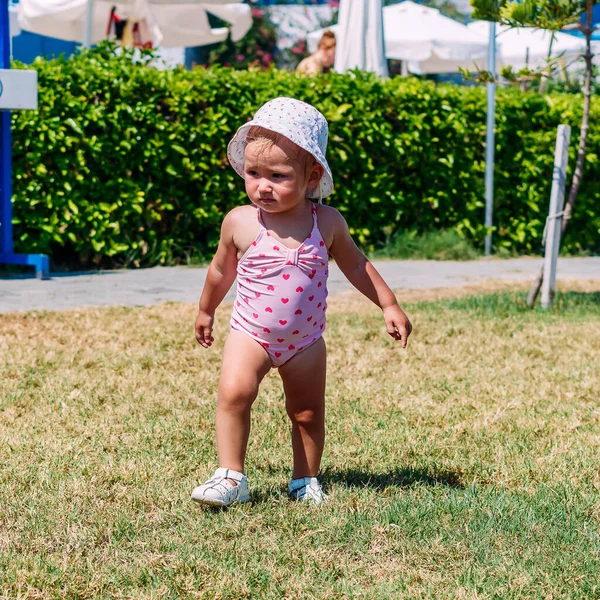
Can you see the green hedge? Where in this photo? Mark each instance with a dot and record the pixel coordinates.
(126, 164)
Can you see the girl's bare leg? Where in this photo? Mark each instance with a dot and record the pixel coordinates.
(304, 384)
(245, 363)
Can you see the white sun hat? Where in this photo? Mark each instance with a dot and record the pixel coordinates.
(300, 123)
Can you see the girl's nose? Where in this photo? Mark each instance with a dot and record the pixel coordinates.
(265, 186)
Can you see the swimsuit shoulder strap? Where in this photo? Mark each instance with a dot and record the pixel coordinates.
(314, 214)
(260, 220)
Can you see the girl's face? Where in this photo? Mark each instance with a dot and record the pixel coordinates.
(275, 179)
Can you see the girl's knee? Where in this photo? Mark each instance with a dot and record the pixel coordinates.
(305, 416)
(236, 394)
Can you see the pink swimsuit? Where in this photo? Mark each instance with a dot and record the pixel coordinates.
(281, 293)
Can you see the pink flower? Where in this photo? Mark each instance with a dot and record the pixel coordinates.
(257, 13)
(240, 57)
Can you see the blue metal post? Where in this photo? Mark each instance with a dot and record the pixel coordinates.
(7, 256)
(6, 246)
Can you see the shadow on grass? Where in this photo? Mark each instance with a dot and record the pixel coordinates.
(358, 478)
(353, 478)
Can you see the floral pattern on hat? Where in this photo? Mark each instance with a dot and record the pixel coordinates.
(300, 123)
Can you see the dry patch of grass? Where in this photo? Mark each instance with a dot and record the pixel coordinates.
(464, 467)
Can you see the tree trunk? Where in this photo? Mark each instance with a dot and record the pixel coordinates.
(585, 125)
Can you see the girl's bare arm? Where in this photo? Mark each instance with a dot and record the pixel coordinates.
(361, 273)
(219, 279)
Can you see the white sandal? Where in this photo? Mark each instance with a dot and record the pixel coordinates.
(307, 489)
(217, 491)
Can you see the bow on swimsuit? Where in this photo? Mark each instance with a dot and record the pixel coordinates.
(281, 293)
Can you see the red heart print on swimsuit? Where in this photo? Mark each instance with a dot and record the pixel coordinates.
(266, 329)
(298, 312)
(295, 332)
(299, 289)
(268, 309)
(257, 294)
(255, 315)
(286, 276)
(291, 347)
(271, 288)
(281, 340)
(311, 298)
(277, 354)
(276, 248)
(282, 322)
(285, 300)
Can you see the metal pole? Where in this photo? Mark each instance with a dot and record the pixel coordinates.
(554, 222)
(490, 140)
(89, 17)
(7, 255)
(6, 244)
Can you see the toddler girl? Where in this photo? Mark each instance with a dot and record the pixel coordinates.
(278, 247)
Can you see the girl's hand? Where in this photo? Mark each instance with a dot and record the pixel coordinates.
(204, 326)
(397, 323)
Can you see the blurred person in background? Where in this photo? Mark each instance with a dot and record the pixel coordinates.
(322, 60)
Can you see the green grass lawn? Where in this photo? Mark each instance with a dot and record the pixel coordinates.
(463, 467)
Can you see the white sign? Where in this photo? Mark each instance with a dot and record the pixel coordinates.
(18, 89)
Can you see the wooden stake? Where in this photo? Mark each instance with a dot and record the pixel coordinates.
(554, 222)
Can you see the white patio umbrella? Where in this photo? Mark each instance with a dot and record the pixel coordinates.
(426, 39)
(360, 37)
(169, 24)
(521, 46)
